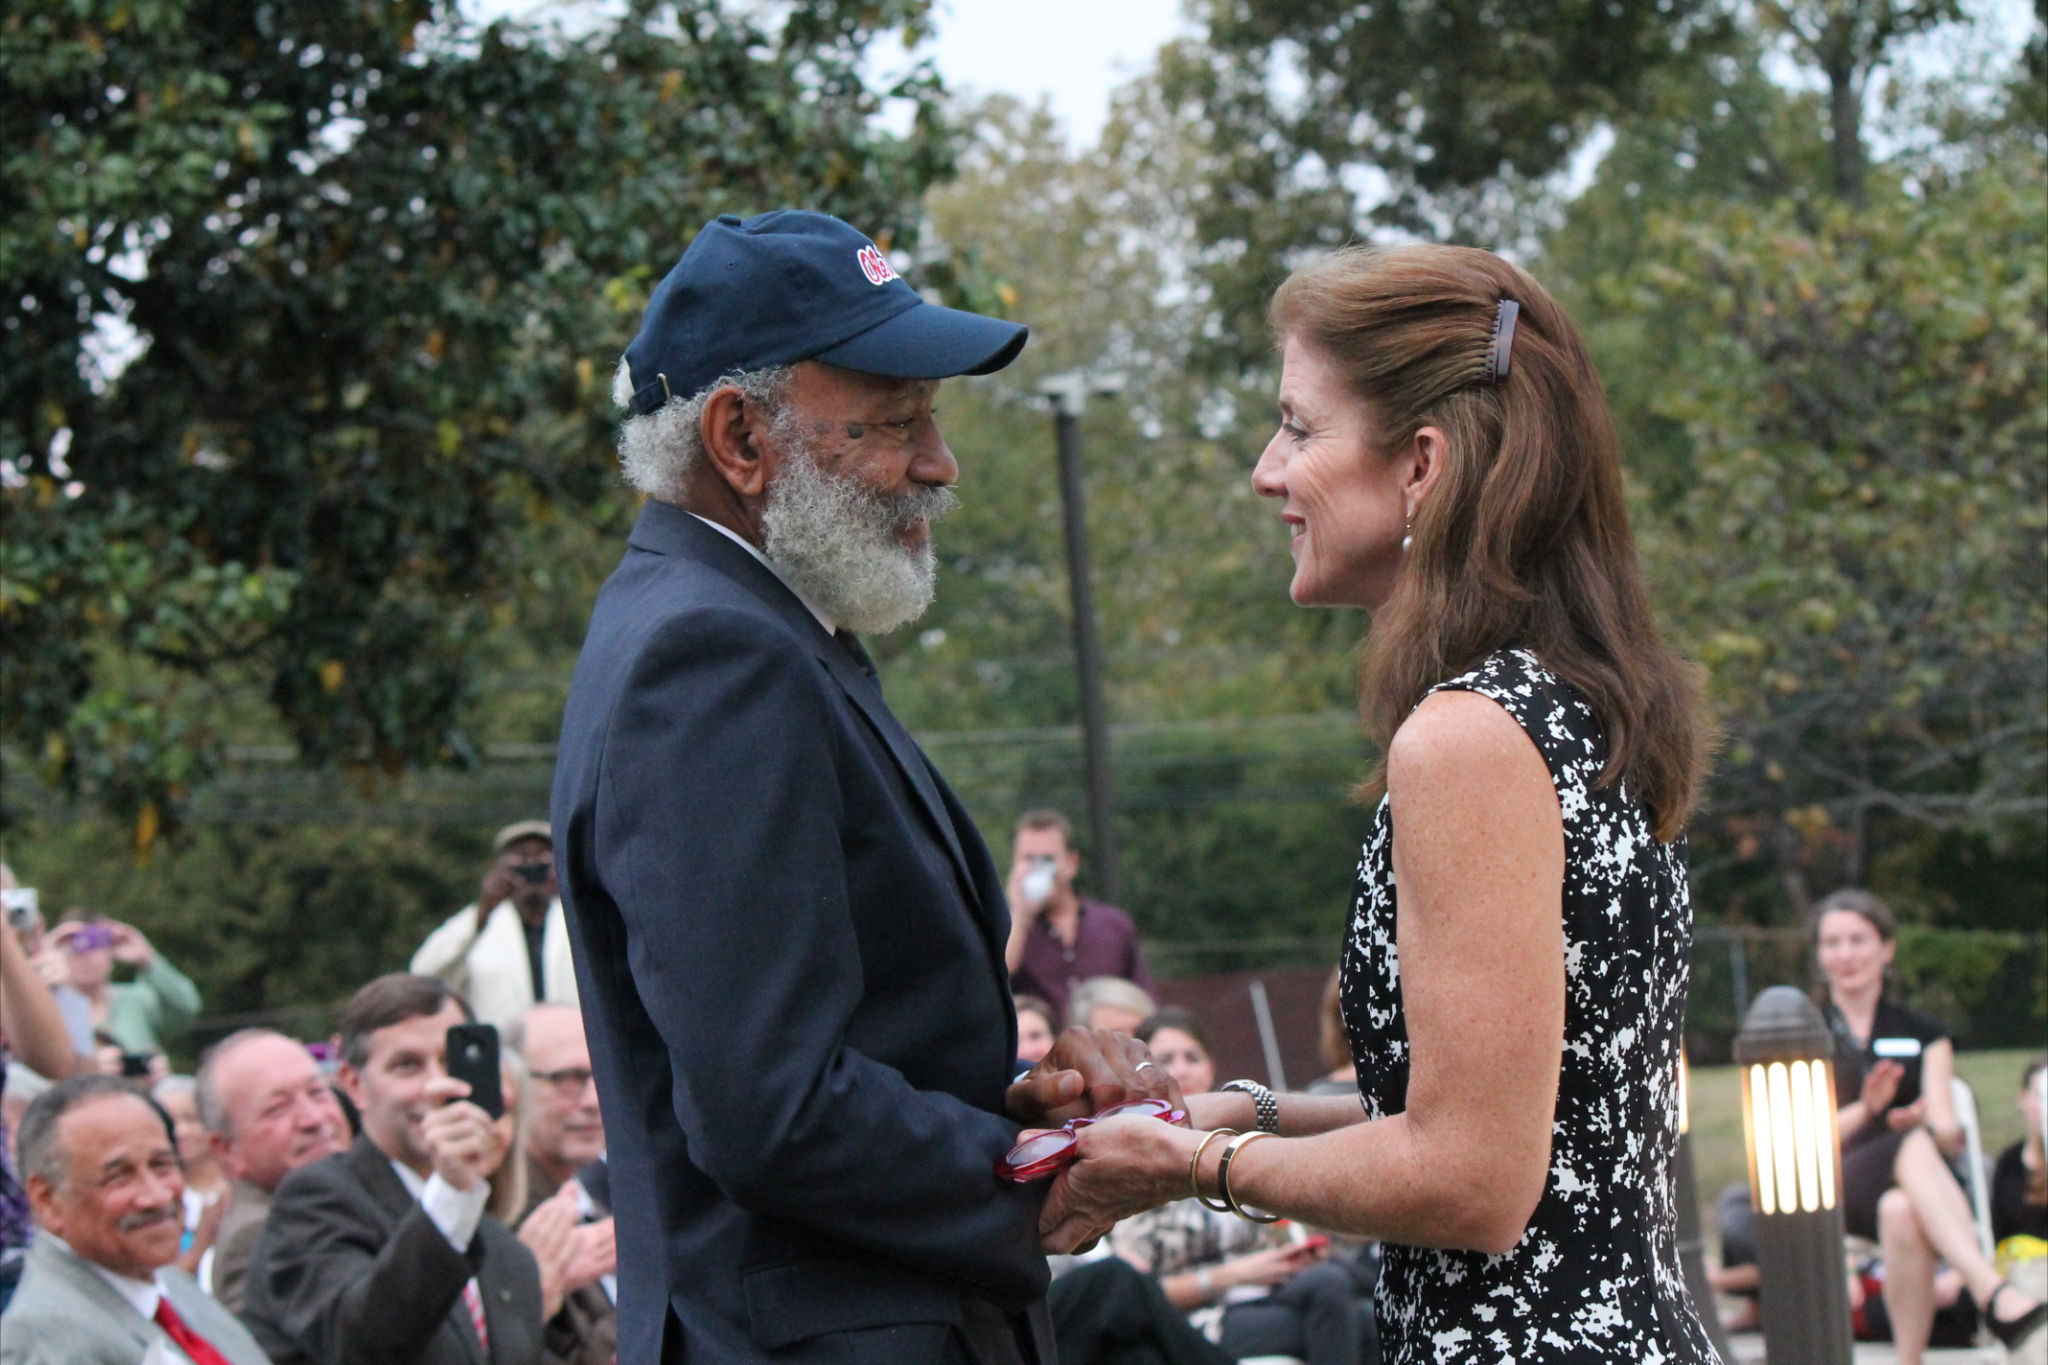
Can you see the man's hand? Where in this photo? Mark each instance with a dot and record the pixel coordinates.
(549, 1232)
(1023, 910)
(1087, 1070)
(596, 1253)
(496, 890)
(459, 1136)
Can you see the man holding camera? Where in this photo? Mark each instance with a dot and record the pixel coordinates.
(510, 950)
(1059, 938)
(384, 1252)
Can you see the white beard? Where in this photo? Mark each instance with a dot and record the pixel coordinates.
(835, 542)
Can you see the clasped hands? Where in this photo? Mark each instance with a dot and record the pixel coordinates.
(1123, 1165)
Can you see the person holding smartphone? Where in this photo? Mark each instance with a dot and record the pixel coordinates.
(509, 949)
(1058, 937)
(386, 1251)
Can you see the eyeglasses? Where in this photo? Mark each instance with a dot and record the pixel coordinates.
(568, 1082)
(1036, 1158)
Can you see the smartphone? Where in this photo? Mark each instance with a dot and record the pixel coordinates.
(135, 1065)
(22, 910)
(473, 1057)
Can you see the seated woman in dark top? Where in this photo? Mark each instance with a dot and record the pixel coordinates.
(2019, 1182)
(1899, 1131)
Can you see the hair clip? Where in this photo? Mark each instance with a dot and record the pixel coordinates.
(1500, 354)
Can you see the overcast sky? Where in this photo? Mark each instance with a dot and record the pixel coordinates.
(1072, 52)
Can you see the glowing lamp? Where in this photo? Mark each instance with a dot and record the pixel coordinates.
(1786, 1059)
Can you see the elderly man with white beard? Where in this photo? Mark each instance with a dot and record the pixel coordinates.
(788, 934)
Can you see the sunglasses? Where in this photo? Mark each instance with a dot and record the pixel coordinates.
(1038, 1157)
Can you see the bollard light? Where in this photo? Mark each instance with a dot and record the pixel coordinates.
(1786, 1058)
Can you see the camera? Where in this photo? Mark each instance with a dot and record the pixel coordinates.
(22, 908)
(533, 874)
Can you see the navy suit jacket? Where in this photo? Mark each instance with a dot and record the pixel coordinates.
(789, 945)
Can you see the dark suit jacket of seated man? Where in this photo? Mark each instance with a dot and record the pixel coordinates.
(788, 934)
(354, 1265)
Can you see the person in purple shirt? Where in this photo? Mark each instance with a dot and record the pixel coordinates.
(1058, 938)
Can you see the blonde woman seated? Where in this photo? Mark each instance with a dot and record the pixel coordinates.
(1109, 1002)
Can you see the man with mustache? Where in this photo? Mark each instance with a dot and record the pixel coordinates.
(384, 1252)
(101, 1166)
(788, 934)
(268, 1111)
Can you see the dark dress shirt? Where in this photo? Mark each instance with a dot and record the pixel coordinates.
(1105, 944)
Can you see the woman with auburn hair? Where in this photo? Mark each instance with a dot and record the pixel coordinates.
(1445, 460)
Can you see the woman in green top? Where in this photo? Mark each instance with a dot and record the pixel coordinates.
(137, 1014)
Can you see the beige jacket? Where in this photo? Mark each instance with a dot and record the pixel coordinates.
(490, 967)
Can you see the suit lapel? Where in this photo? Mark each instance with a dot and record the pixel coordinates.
(71, 1271)
(667, 530)
(391, 1196)
(866, 694)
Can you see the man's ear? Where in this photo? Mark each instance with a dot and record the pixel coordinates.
(351, 1083)
(44, 1203)
(224, 1150)
(730, 429)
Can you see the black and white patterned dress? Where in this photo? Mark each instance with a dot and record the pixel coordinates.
(1596, 1276)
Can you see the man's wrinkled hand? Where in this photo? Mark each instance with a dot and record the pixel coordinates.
(1088, 1070)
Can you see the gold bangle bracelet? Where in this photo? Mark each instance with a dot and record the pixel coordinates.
(1238, 1144)
(1195, 1169)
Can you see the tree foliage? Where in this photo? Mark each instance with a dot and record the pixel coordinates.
(378, 265)
(1860, 555)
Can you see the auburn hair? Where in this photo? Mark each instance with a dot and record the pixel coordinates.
(1524, 541)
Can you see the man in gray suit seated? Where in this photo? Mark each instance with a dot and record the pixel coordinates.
(102, 1173)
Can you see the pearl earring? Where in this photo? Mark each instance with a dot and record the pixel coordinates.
(1408, 536)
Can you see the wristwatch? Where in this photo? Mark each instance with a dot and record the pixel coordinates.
(1263, 1102)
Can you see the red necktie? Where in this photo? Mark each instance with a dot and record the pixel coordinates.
(474, 1301)
(189, 1341)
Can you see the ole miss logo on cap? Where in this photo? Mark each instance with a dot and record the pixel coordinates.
(875, 265)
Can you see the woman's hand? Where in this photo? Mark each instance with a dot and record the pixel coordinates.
(1906, 1116)
(1274, 1265)
(1124, 1166)
(130, 947)
(1880, 1085)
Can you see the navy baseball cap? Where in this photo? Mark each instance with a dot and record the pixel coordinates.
(791, 285)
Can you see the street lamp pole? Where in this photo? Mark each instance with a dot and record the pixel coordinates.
(1068, 396)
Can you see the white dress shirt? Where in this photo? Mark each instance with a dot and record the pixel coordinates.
(831, 627)
(455, 1212)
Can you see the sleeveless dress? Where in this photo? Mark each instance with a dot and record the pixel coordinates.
(1596, 1276)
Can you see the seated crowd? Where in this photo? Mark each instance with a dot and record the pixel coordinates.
(353, 1202)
